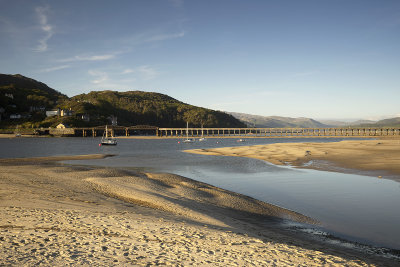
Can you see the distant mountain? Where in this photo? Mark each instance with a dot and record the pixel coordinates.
(24, 101)
(277, 121)
(335, 123)
(393, 122)
(361, 122)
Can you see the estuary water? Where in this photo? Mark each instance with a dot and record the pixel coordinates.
(354, 207)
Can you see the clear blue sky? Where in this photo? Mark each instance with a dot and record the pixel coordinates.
(318, 59)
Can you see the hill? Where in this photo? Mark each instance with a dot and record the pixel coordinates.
(23, 96)
(137, 108)
(24, 101)
(277, 122)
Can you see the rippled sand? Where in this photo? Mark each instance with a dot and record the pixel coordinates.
(53, 214)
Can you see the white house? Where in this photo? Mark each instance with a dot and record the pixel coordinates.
(51, 113)
(9, 95)
(15, 116)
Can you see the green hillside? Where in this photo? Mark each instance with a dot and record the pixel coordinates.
(31, 99)
(26, 99)
(138, 108)
(19, 94)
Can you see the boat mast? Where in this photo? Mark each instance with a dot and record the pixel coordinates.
(187, 130)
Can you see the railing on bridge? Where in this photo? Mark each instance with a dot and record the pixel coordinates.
(277, 132)
(118, 130)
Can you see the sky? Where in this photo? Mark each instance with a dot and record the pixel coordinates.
(322, 59)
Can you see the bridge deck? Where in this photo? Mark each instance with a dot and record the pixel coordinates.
(215, 132)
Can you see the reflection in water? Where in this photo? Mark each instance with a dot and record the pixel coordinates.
(352, 206)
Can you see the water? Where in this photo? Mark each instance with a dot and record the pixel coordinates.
(355, 207)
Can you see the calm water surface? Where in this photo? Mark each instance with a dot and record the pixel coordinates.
(359, 208)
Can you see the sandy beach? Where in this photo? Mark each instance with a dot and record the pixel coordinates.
(54, 214)
(379, 158)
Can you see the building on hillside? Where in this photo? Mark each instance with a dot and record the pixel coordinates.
(51, 113)
(15, 116)
(59, 112)
(113, 119)
(66, 112)
(36, 108)
(9, 96)
(85, 117)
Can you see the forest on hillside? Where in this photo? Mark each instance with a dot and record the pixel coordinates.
(24, 102)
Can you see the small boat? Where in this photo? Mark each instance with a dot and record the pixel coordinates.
(241, 140)
(187, 140)
(108, 139)
(202, 138)
(16, 132)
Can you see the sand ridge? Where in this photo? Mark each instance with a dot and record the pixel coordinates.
(185, 197)
(54, 214)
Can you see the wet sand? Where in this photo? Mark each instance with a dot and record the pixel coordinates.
(380, 158)
(54, 214)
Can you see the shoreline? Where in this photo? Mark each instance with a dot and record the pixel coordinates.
(53, 158)
(67, 214)
(378, 158)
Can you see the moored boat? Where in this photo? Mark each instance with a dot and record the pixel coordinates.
(108, 139)
(188, 140)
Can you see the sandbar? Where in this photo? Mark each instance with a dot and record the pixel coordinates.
(380, 158)
(54, 214)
